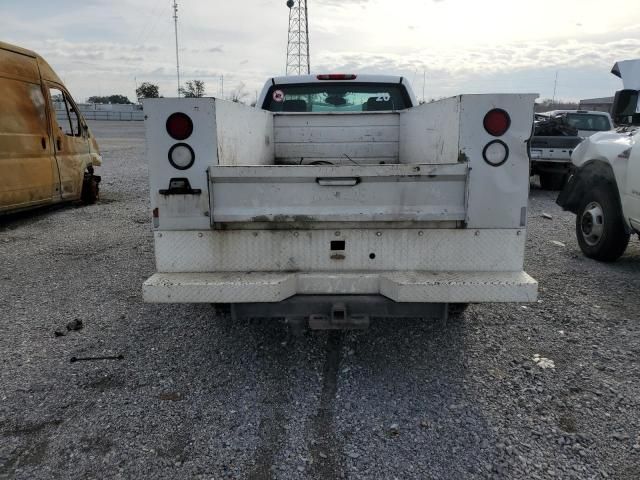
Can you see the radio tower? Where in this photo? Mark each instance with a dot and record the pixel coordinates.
(175, 23)
(298, 62)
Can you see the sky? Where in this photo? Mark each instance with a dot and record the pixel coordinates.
(444, 47)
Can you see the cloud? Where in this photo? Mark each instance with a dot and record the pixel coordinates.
(103, 46)
(343, 3)
(507, 58)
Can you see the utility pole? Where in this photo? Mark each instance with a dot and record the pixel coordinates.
(175, 23)
(555, 87)
(298, 58)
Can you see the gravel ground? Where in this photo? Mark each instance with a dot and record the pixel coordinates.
(200, 397)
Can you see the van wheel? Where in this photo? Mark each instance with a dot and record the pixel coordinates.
(90, 188)
(600, 227)
(552, 181)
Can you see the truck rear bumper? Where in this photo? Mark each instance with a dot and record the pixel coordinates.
(410, 287)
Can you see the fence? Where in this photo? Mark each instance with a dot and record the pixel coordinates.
(116, 116)
(103, 112)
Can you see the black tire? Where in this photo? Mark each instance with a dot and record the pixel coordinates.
(456, 310)
(552, 181)
(600, 227)
(90, 189)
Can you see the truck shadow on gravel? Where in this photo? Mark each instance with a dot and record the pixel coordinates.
(13, 221)
(392, 394)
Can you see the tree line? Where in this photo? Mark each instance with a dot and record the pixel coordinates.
(192, 89)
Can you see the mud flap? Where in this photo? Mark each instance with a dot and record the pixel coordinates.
(570, 195)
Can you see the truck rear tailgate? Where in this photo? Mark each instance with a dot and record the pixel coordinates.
(355, 193)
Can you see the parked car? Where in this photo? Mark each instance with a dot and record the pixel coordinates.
(45, 157)
(556, 134)
(338, 200)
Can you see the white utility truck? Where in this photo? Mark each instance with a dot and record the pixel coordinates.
(604, 189)
(339, 199)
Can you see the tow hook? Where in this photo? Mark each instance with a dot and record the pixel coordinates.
(339, 319)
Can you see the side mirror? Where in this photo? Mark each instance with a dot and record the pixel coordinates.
(625, 109)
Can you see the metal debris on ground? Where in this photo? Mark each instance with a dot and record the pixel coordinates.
(559, 244)
(84, 359)
(75, 325)
(547, 216)
(543, 362)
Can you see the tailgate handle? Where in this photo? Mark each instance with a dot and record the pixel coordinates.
(338, 182)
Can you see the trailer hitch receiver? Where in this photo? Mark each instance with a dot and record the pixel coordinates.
(339, 319)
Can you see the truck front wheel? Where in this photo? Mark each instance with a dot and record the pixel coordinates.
(90, 187)
(600, 227)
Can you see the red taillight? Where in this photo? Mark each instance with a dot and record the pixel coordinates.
(179, 126)
(156, 213)
(497, 122)
(337, 76)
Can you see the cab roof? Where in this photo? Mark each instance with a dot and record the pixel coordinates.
(589, 112)
(361, 78)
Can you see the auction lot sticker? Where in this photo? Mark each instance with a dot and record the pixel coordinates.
(278, 96)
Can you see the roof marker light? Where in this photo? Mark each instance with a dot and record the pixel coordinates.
(337, 76)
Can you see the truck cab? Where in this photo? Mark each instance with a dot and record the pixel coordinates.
(586, 122)
(336, 93)
(551, 148)
(338, 200)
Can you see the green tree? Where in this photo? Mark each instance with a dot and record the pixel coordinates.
(195, 89)
(116, 98)
(148, 90)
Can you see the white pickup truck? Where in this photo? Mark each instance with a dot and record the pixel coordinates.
(551, 154)
(604, 189)
(604, 193)
(339, 199)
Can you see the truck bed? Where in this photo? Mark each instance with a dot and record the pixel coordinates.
(408, 205)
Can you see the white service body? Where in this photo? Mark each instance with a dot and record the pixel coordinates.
(404, 205)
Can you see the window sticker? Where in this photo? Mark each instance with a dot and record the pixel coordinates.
(278, 96)
(383, 97)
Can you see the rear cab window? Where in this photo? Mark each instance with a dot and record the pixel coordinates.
(589, 121)
(325, 97)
